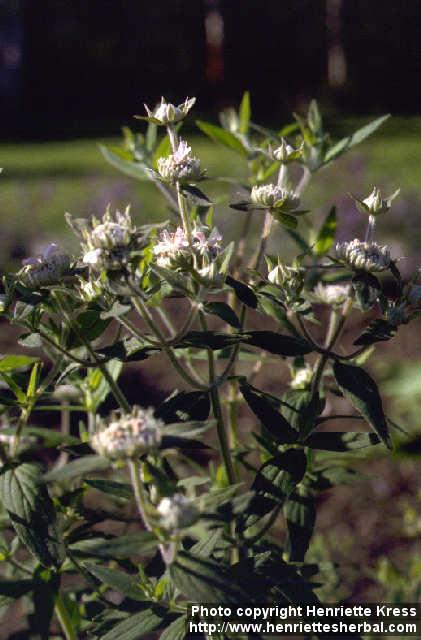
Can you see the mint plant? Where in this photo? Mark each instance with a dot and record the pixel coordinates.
(208, 510)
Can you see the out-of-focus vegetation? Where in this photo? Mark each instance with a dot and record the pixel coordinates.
(40, 181)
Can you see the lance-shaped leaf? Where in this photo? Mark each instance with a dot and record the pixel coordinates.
(31, 511)
(361, 390)
(123, 161)
(223, 311)
(278, 343)
(184, 407)
(326, 236)
(279, 476)
(204, 580)
(300, 516)
(122, 582)
(264, 408)
(136, 625)
(379, 330)
(341, 440)
(355, 138)
(176, 630)
(222, 136)
(243, 292)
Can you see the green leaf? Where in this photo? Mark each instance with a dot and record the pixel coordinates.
(184, 407)
(341, 440)
(244, 293)
(326, 236)
(279, 476)
(204, 580)
(217, 134)
(263, 406)
(176, 630)
(31, 511)
(123, 161)
(136, 626)
(223, 311)
(300, 515)
(14, 589)
(303, 409)
(197, 196)
(117, 580)
(112, 488)
(355, 138)
(367, 289)
(361, 390)
(191, 429)
(13, 363)
(132, 544)
(245, 112)
(379, 330)
(209, 340)
(163, 150)
(77, 468)
(273, 342)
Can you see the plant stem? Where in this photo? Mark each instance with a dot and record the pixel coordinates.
(139, 492)
(64, 618)
(143, 311)
(115, 389)
(255, 263)
(336, 325)
(184, 214)
(217, 411)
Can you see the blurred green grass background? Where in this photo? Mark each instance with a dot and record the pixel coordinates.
(41, 181)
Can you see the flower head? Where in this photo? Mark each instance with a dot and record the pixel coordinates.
(167, 113)
(173, 246)
(180, 166)
(331, 294)
(274, 197)
(128, 435)
(45, 270)
(177, 512)
(375, 204)
(364, 256)
(108, 243)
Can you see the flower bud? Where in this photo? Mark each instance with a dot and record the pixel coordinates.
(166, 113)
(285, 153)
(177, 512)
(128, 435)
(274, 197)
(364, 256)
(374, 204)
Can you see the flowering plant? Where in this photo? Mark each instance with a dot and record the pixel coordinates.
(224, 512)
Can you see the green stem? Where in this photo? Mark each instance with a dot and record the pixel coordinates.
(64, 618)
(184, 214)
(336, 325)
(256, 260)
(139, 493)
(217, 411)
(115, 389)
(143, 311)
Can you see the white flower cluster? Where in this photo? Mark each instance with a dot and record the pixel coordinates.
(128, 435)
(180, 166)
(45, 270)
(274, 197)
(107, 243)
(364, 256)
(331, 294)
(167, 113)
(173, 245)
(177, 512)
(302, 378)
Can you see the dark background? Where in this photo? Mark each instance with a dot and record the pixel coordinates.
(81, 66)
